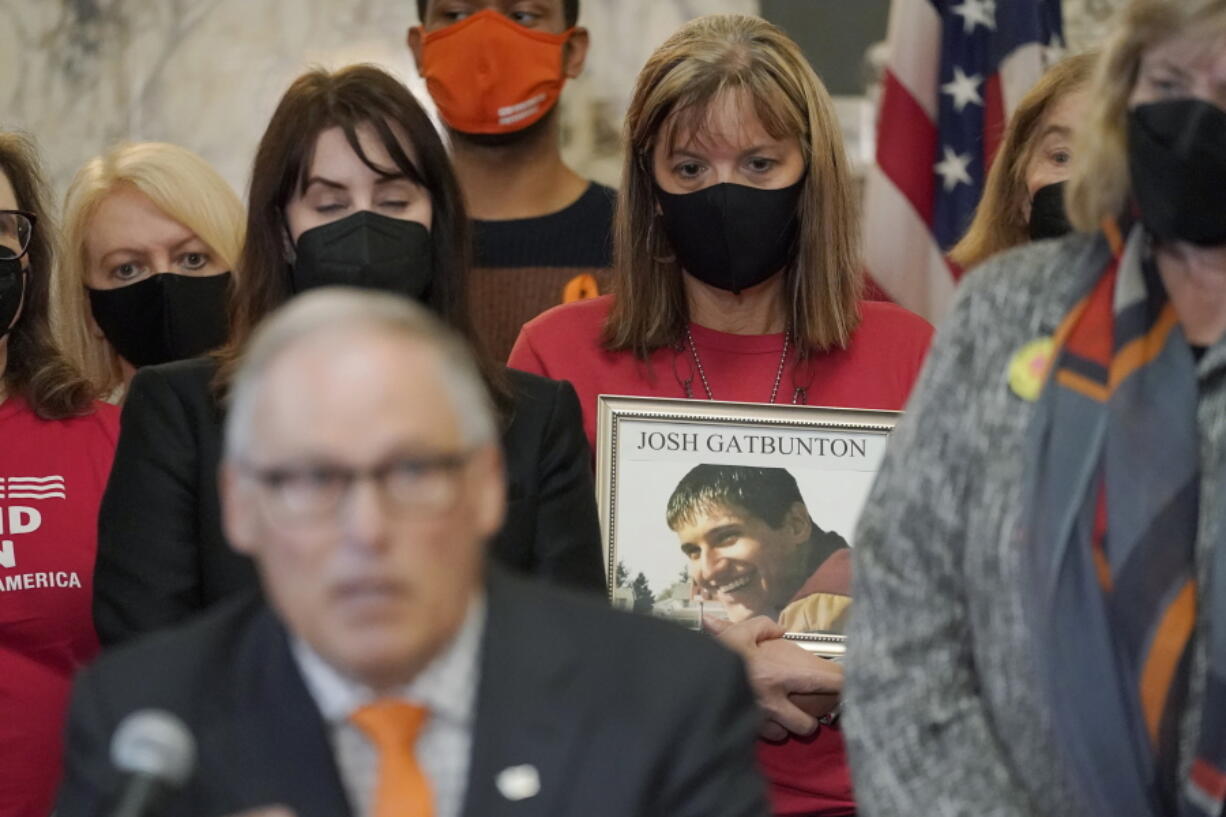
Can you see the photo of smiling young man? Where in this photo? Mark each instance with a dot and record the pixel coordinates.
(752, 547)
(743, 543)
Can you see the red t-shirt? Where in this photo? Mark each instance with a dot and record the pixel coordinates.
(52, 473)
(876, 371)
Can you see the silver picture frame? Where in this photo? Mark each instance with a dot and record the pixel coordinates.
(656, 458)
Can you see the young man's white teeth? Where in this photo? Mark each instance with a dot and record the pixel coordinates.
(734, 586)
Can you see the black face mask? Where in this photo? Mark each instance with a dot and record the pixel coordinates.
(366, 250)
(12, 292)
(164, 317)
(729, 235)
(1177, 158)
(1048, 218)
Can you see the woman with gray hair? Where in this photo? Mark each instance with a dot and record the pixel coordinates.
(1040, 583)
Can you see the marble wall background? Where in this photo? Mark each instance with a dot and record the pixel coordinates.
(82, 74)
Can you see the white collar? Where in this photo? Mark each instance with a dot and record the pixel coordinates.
(447, 686)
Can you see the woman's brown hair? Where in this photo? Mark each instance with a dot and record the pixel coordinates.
(36, 369)
(348, 99)
(999, 222)
(704, 59)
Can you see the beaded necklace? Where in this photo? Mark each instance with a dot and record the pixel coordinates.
(687, 385)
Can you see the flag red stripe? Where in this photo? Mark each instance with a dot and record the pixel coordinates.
(955, 271)
(900, 251)
(907, 161)
(993, 119)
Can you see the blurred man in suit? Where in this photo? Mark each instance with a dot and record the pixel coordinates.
(390, 671)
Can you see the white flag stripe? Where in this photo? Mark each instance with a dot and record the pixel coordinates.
(1018, 73)
(914, 26)
(35, 479)
(901, 254)
(51, 495)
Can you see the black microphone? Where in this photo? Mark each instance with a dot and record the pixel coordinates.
(157, 752)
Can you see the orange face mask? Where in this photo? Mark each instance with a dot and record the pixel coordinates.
(488, 74)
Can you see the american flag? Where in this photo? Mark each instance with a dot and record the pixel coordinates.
(52, 487)
(956, 69)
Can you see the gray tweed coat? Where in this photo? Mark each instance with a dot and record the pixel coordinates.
(943, 710)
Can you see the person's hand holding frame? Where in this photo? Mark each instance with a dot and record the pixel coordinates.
(793, 686)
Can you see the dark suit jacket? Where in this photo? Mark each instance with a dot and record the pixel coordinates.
(622, 715)
(161, 552)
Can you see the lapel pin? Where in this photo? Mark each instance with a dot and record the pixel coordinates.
(519, 782)
(1028, 368)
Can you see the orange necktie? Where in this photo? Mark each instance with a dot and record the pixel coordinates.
(402, 789)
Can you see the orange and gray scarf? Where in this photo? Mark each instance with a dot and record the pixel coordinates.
(1112, 498)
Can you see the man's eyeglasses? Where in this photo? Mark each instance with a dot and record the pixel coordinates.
(16, 230)
(419, 485)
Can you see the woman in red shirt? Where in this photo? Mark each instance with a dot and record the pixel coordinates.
(56, 445)
(737, 277)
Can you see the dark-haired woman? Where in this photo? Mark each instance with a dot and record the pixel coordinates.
(351, 185)
(56, 445)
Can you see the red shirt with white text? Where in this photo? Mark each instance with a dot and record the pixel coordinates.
(52, 473)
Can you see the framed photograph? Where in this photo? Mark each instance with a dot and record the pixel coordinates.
(718, 511)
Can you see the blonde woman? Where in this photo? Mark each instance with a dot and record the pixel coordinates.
(1023, 199)
(738, 278)
(1040, 574)
(151, 233)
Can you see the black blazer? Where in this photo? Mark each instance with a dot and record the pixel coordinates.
(161, 552)
(622, 715)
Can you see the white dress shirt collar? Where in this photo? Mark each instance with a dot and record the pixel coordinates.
(446, 687)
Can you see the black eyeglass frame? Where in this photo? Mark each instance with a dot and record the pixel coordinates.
(272, 478)
(33, 219)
